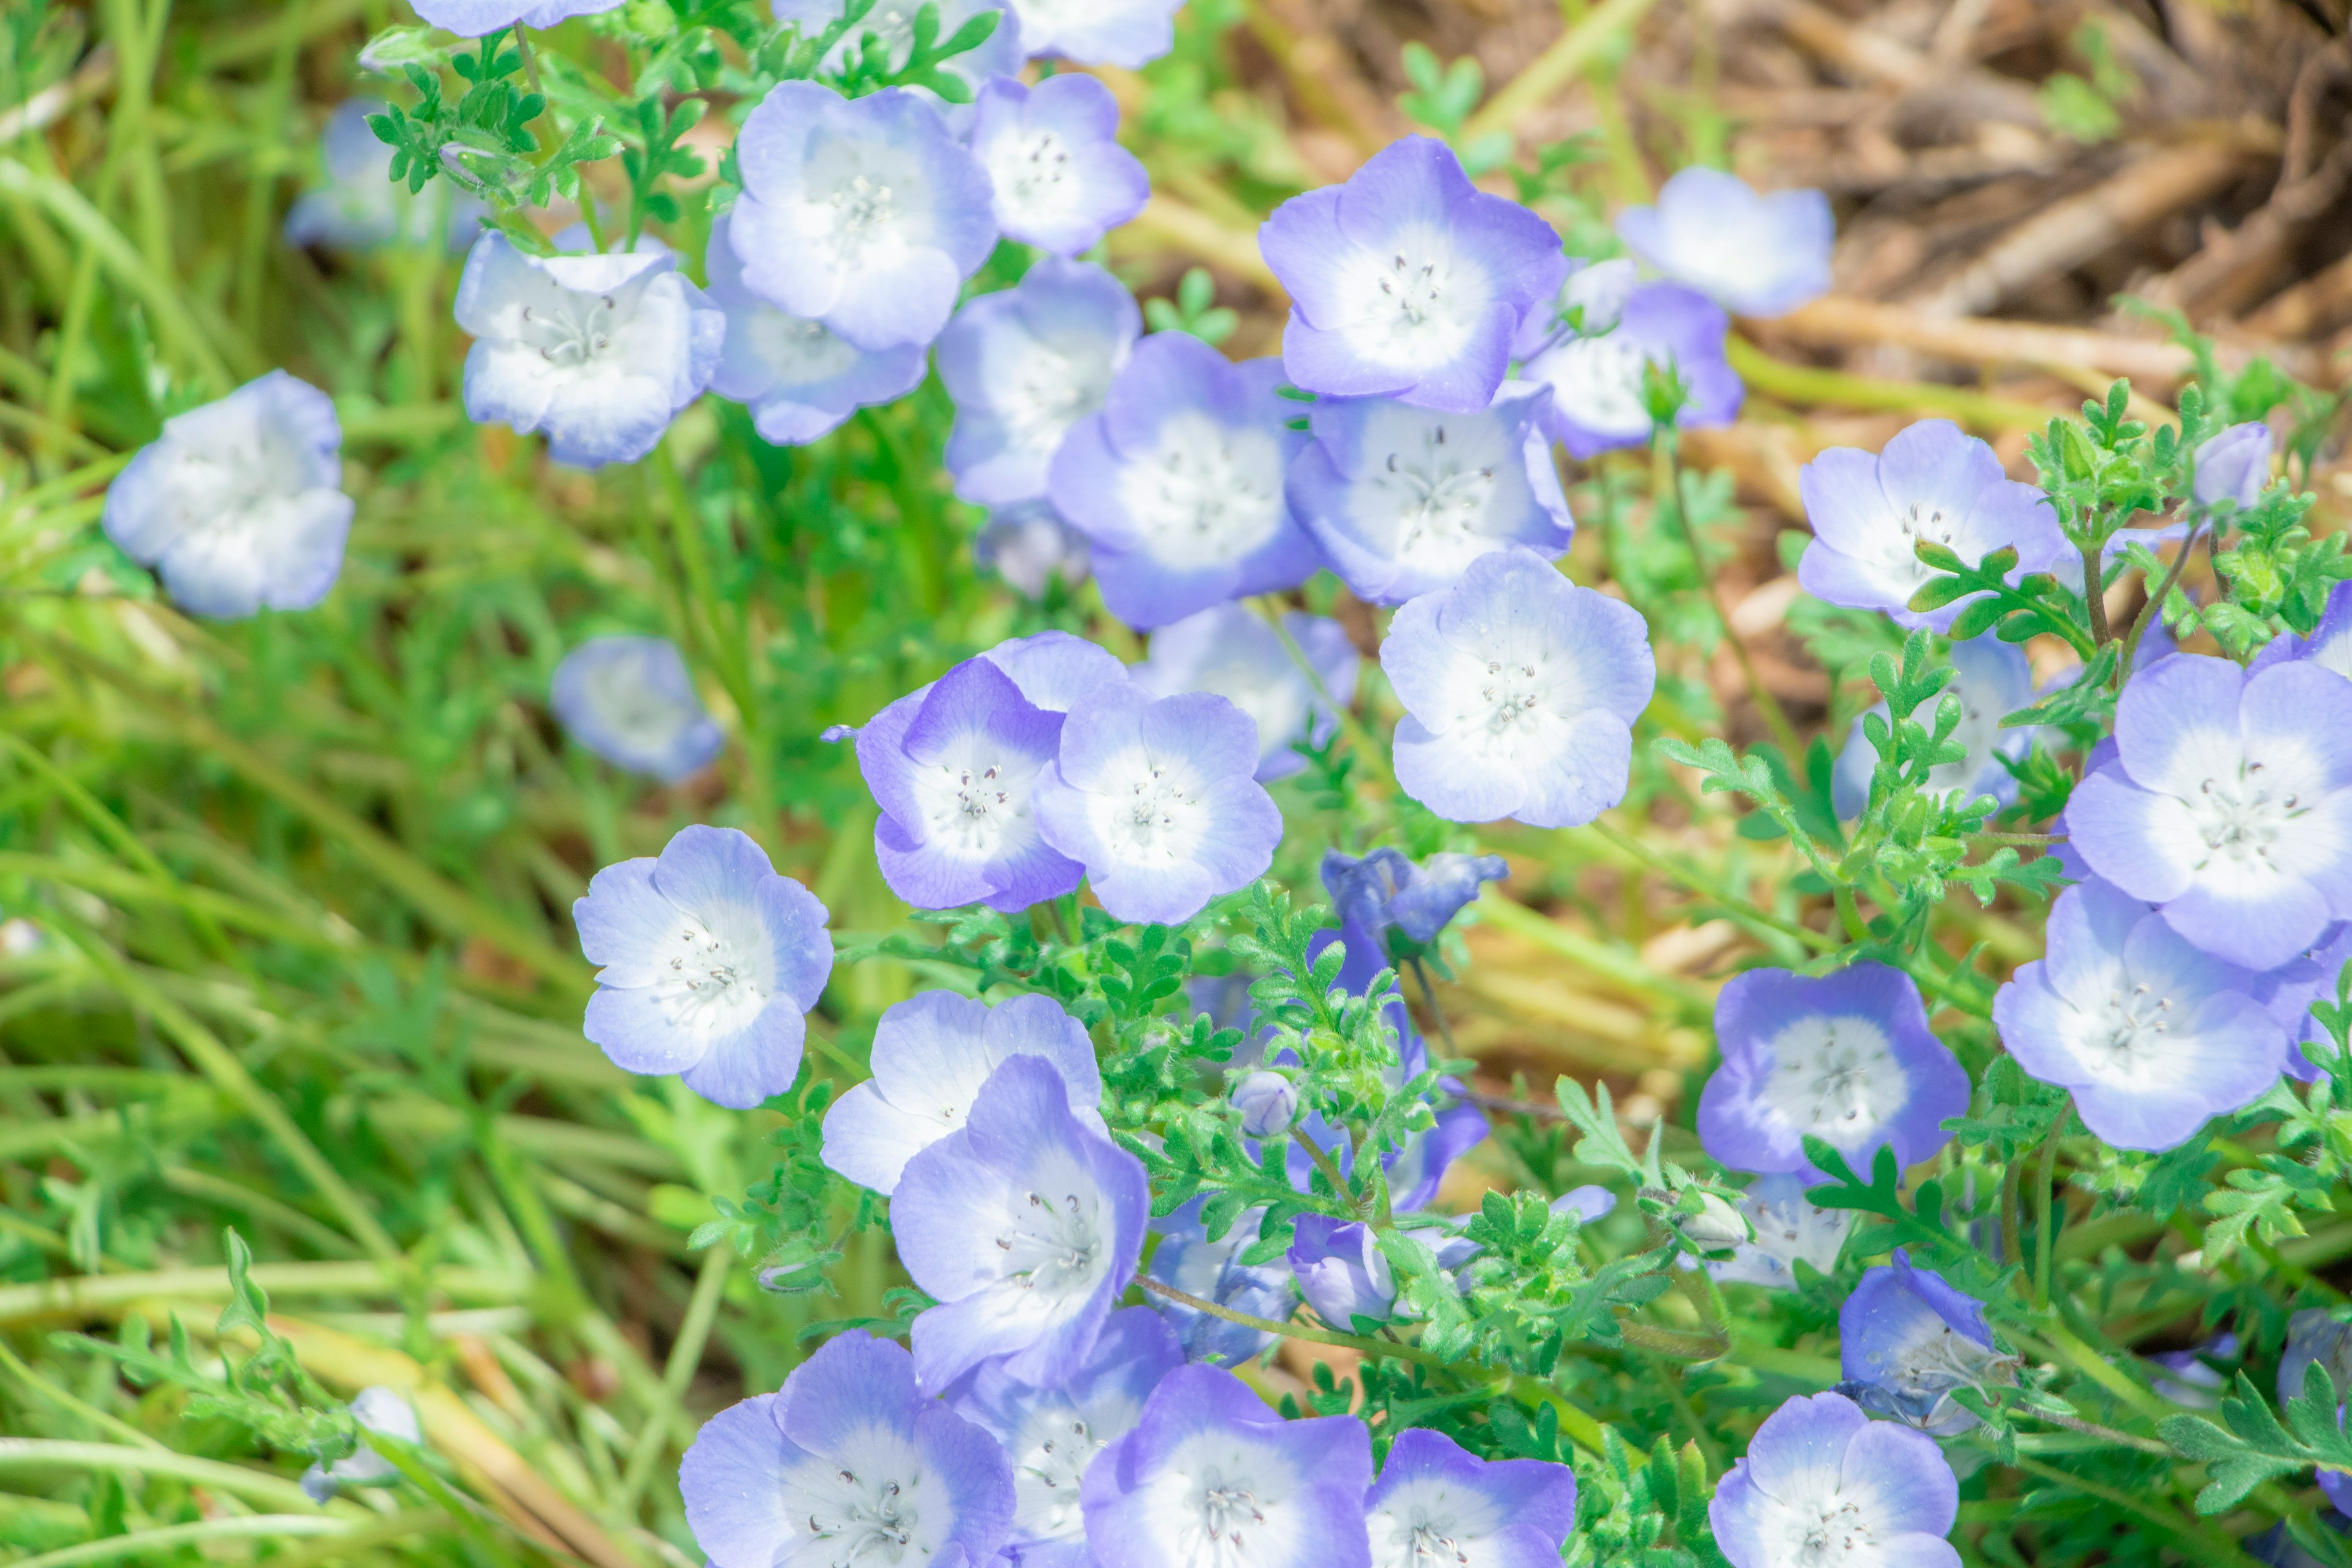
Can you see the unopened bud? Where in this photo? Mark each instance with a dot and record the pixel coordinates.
(1268, 1103)
(1716, 1226)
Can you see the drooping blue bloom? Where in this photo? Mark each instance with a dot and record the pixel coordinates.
(799, 378)
(2229, 804)
(1268, 1103)
(1129, 32)
(598, 352)
(1823, 1486)
(1845, 1057)
(1157, 799)
(1597, 375)
(1213, 1478)
(1054, 1430)
(1992, 679)
(1755, 255)
(848, 1463)
(865, 213)
(708, 960)
(1187, 1260)
(2152, 1036)
(384, 1412)
(1408, 281)
(2288, 991)
(238, 506)
(892, 21)
(631, 701)
(2233, 466)
(1025, 364)
(362, 206)
(1520, 691)
(1497, 1513)
(1591, 301)
(1386, 896)
(1024, 1223)
(474, 18)
(1342, 1274)
(1404, 499)
(2189, 1377)
(1933, 484)
(1907, 1339)
(1053, 157)
(1787, 1228)
(931, 1054)
(1029, 545)
(2329, 645)
(1235, 654)
(1179, 483)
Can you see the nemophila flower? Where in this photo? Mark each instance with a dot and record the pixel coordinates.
(631, 701)
(1029, 545)
(1588, 1203)
(1178, 482)
(1053, 670)
(1188, 1260)
(2229, 804)
(1907, 1340)
(892, 23)
(1267, 1102)
(799, 378)
(1053, 157)
(1757, 255)
(708, 960)
(1408, 281)
(597, 353)
(1386, 895)
(1992, 679)
(2288, 991)
(1130, 33)
(1025, 364)
(2314, 1336)
(1232, 653)
(2189, 1377)
(238, 505)
(1437, 1502)
(848, 1465)
(382, 1411)
(2329, 645)
(1054, 1430)
(865, 213)
(1155, 799)
(1342, 1274)
(1520, 691)
(1935, 484)
(1213, 1478)
(1845, 1057)
(360, 206)
(1404, 499)
(474, 18)
(2233, 465)
(1787, 1229)
(1597, 378)
(1025, 1225)
(1823, 1486)
(2153, 1036)
(931, 1054)
(1591, 301)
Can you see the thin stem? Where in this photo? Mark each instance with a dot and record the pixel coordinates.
(1767, 705)
(1323, 1162)
(2093, 1429)
(2042, 1206)
(1437, 1013)
(2094, 598)
(1740, 907)
(684, 1355)
(2155, 605)
(2013, 1214)
(2196, 1542)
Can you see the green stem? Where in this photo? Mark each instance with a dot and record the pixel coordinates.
(1768, 706)
(1740, 907)
(2041, 1207)
(685, 1356)
(2094, 598)
(2196, 1542)
(2154, 608)
(260, 1486)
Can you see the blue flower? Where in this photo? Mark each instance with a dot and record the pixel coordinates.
(847, 1460)
(238, 505)
(1756, 255)
(362, 206)
(1933, 484)
(1025, 364)
(1386, 896)
(2315, 1335)
(1597, 375)
(708, 960)
(1179, 483)
(1404, 499)
(1129, 32)
(1187, 1260)
(1054, 1430)
(1787, 1229)
(1845, 1057)
(1408, 281)
(474, 19)
(1822, 1483)
(931, 1055)
(1024, 1223)
(865, 213)
(1591, 300)
(2329, 645)
(1029, 546)
(1341, 1271)
(2233, 465)
(1053, 157)
(799, 378)
(600, 352)
(1235, 654)
(384, 1412)
(1907, 1340)
(1213, 1478)
(1520, 691)
(1497, 1514)
(2288, 991)
(1157, 800)
(2229, 804)
(631, 701)
(2152, 1036)
(892, 23)
(1992, 679)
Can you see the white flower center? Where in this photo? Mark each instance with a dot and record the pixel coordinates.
(799, 350)
(1045, 391)
(1046, 1473)
(1835, 1079)
(572, 329)
(716, 977)
(1229, 1514)
(621, 695)
(1597, 383)
(1414, 306)
(1415, 1534)
(2241, 820)
(868, 1522)
(1055, 1244)
(867, 200)
(1817, 1530)
(975, 797)
(1031, 169)
(1157, 819)
(2134, 1023)
(1207, 495)
(1439, 495)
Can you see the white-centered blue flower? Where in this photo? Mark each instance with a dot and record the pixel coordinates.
(474, 19)
(378, 1411)
(1052, 154)
(2233, 465)
(1437, 1503)
(1024, 365)
(1992, 679)
(1212, 1271)
(1906, 1339)
(1823, 1486)
(2328, 646)
(1755, 255)
(362, 206)
(1029, 546)
(1785, 1229)
(632, 701)
(238, 505)
(1236, 655)
(1599, 372)
(1341, 1271)
(1129, 32)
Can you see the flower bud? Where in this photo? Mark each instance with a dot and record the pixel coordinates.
(1716, 1226)
(1341, 1271)
(2234, 465)
(1267, 1101)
